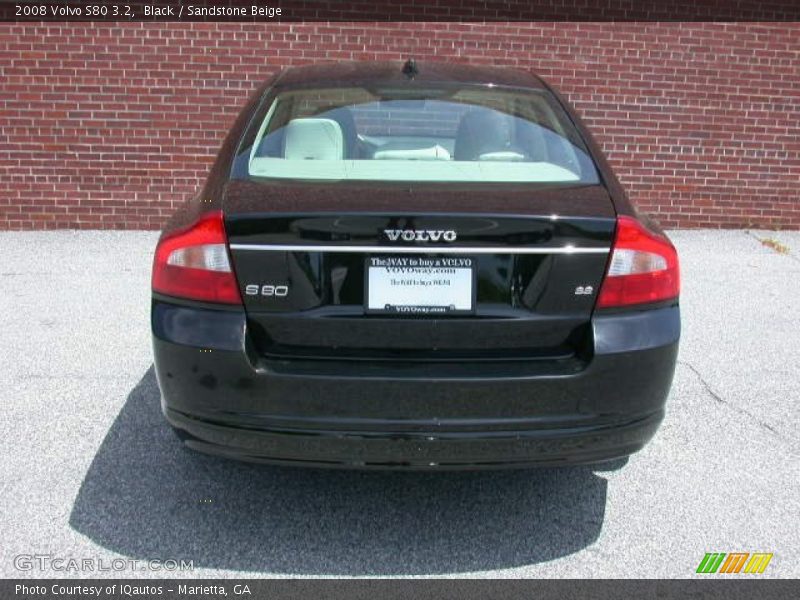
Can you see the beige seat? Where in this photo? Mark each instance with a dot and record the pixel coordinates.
(313, 139)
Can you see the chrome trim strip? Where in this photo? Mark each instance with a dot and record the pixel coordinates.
(421, 249)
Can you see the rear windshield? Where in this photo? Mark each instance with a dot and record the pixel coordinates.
(436, 135)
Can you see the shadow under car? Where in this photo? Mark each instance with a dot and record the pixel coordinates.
(146, 497)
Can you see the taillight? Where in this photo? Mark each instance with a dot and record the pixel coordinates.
(643, 267)
(193, 263)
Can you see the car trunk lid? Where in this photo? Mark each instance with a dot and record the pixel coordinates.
(315, 264)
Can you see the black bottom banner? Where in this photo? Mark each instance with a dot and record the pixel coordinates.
(390, 589)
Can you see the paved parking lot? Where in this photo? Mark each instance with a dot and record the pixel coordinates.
(91, 471)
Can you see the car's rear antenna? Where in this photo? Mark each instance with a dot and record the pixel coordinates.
(410, 69)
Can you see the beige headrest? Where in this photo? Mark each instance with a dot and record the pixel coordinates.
(313, 139)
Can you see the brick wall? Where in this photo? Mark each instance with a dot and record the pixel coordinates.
(113, 125)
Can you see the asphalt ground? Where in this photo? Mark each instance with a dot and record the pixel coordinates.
(90, 470)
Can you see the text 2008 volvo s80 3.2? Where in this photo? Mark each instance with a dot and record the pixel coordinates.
(413, 265)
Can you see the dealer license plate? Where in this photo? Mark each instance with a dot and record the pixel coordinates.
(420, 285)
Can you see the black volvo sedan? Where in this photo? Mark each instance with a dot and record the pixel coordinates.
(413, 265)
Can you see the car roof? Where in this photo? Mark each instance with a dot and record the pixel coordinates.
(341, 74)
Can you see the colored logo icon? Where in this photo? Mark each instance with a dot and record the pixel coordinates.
(734, 562)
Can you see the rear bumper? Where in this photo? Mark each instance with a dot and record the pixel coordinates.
(430, 450)
(225, 401)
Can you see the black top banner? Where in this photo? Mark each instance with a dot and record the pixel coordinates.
(399, 10)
